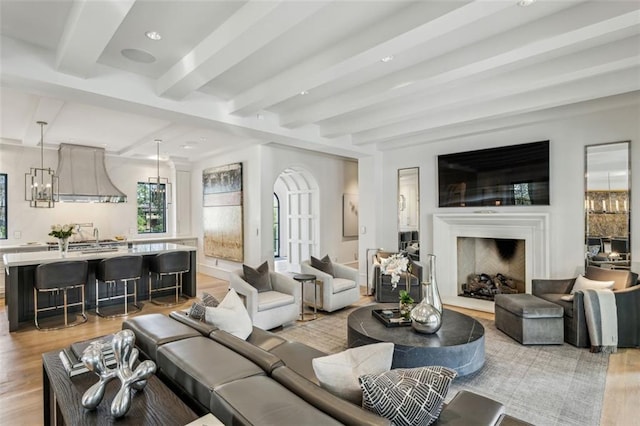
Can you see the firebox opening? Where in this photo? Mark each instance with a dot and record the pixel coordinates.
(490, 266)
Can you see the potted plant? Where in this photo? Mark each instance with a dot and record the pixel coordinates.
(406, 304)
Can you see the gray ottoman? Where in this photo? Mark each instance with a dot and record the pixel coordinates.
(529, 319)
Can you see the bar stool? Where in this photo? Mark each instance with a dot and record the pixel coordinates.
(59, 277)
(173, 263)
(113, 270)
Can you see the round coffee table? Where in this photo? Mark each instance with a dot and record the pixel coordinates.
(459, 344)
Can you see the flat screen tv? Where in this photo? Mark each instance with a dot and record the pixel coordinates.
(504, 176)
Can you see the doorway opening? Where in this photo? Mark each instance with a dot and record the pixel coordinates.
(297, 230)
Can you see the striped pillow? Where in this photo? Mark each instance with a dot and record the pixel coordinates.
(198, 308)
(407, 396)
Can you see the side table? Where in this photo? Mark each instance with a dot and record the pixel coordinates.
(155, 405)
(302, 279)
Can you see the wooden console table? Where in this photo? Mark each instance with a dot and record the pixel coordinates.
(155, 405)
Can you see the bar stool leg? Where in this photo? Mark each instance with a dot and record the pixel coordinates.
(64, 307)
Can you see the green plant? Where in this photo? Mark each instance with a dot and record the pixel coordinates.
(405, 297)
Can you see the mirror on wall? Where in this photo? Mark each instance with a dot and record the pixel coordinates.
(607, 205)
(409, 211)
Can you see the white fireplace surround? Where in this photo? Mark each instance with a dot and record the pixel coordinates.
(533, 228)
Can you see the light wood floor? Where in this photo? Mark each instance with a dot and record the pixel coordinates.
(21, 367)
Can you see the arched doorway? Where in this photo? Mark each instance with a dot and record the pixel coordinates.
(298, 229)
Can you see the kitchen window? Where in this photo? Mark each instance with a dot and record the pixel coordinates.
(152, 208)
(3, 206)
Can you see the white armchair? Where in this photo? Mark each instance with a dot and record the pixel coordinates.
(269, 309)
(337, 291)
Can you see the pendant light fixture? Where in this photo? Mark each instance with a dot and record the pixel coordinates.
(40, 184)
(161, 185)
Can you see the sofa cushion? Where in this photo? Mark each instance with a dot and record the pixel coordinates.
(273, 299)
(338, 373)
(557, 299)
(407, 396)
(260, 400)
(342, 284)
(231, 316)
(266, 360)
(198, 308)
(199, 364)
(468, 408)
(265, 339)
(583, 283)
(258, 277)
(323, 265)
(528, 306)
(154, 330)
(298, 357)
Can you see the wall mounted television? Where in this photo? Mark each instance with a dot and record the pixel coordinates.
(504, 176)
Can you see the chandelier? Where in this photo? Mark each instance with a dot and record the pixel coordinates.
(161, 187)
(41, 185)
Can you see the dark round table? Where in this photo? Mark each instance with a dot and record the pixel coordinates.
(459, 344)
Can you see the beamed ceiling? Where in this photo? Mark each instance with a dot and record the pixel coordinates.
(340, 77)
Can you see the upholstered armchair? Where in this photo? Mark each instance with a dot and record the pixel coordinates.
(271, 308)
(385, 293)
(337, 291)
(627, 294)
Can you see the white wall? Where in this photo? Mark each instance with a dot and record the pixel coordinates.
(567, 136)
(261, 167)
(111, 219)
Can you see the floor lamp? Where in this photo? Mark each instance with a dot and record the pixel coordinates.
(369, 250)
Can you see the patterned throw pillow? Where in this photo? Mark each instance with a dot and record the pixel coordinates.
(259, 277)
(198, 308)
(323, 264)
(407, 396)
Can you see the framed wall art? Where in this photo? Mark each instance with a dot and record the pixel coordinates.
(350, 215)
(222, 212)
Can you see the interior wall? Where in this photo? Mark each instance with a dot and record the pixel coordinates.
(28, 224)
(261, 166)
(568, 137)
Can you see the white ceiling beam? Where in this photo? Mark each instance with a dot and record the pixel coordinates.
(578, 91)
(29, 70)
(89, 28)
(544, 39)
(592, 62)
(460, 131)
(252, 27)
(46, 110)
(351, 56)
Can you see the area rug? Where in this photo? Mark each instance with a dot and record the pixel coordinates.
(544, 385)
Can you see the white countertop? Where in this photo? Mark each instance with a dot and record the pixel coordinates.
(39, 257)
(42, 245)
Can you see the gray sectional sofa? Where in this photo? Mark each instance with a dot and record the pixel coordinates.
(265, 379)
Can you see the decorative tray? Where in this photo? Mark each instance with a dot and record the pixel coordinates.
(390, 320)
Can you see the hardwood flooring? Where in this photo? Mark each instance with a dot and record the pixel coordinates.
(21, 365)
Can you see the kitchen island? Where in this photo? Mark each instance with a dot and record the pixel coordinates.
(20, 275)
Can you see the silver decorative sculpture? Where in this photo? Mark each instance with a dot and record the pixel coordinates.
(126, 355)
(426, 317)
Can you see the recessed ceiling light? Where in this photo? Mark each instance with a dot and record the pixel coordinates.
(260, 116)
(153, 35)
(525, 3)
(401, 85)
(187, 146)
(387, 58)
(138, 55)
(304, 92)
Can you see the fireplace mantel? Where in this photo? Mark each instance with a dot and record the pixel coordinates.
(533, 228)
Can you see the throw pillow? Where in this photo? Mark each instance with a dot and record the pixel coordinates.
(259, 277)
(583, 283)
(323, 264)
(407, 396)
(338, 373)
(197, 309)
(230, 316)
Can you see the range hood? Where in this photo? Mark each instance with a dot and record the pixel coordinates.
(82, 176)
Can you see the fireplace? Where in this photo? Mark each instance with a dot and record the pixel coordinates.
(531, 228)
(490, 266)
